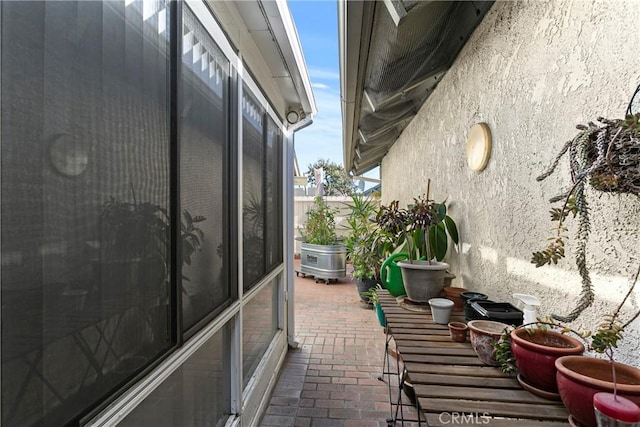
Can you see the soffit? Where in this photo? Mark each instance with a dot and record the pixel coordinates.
(270, 27)
(393, 54)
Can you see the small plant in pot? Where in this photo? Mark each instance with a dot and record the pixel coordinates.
(372, 296)
(362, 243)
(531, 351)
(423, 229)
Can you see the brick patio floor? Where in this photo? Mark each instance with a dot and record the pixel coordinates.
(332, 378)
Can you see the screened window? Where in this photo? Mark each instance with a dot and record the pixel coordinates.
(262, 180)
(198, 393)
(259, 325)
(253, 192)
(84, 196)
(204, 191)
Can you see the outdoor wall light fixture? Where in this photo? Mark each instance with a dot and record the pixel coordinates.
(293, 117)
(68, 156)
(478, 146)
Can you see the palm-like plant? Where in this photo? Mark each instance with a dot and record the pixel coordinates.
(362, 244)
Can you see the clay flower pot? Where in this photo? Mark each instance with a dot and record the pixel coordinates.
(458, 331)
(484, 334)
(579, 378)
(453, 293)
(535, 352)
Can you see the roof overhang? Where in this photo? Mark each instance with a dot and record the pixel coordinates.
(392, 55)
(270, 28)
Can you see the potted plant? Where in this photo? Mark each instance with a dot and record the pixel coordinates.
(530, 351)
(133, 248)
(372, 296)
(423, 229)
(580, 378)
(322, 254)
(362, 250)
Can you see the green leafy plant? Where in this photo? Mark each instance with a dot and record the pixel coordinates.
(372, 294)
(362, 240)
(422, 229)
(134, 230)
(320, 226)
(191, 236)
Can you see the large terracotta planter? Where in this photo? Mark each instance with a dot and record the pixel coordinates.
(423, 280)
(535, 352)
(579, 378)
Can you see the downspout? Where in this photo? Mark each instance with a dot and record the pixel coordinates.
(290, 300)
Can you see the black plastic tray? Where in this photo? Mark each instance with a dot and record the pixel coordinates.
(498, 311)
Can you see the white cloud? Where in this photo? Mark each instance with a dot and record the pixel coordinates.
(320, 86)
(323, 74)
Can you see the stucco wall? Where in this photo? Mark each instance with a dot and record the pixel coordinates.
(532, 70)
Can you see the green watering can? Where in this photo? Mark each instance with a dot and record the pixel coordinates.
(391, 274)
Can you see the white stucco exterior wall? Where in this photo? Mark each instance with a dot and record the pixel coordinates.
(532, 70)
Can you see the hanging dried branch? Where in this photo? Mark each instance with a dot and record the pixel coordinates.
(607, 156)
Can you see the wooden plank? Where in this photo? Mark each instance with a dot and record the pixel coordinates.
(422, 337)
(459, 380)
(446, 419)
(471, 371)
(428, 344)
(441, 360)
(418, 331)
(481, 394)
(495, 409)
(447, 351)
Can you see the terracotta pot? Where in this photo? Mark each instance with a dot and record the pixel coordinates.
(535, 352)
(579, 378)
(458, 331)
(483, 335)
(453, 294)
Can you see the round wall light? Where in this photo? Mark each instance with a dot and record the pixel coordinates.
(478, 146)
(293, 117)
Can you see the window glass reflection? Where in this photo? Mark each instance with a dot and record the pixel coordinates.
(203, 167)
(253, 191)
(84, 199)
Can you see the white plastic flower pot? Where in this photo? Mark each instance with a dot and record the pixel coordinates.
(441, 310)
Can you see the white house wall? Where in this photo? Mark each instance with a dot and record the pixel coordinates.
(532, 70)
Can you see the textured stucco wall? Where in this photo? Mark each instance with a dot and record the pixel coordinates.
(532, 70)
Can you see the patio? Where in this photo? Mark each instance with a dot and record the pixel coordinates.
(331, 379)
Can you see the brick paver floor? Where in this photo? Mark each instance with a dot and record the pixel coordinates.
(332, 378)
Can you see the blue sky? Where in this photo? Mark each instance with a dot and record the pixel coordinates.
(317, 25)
